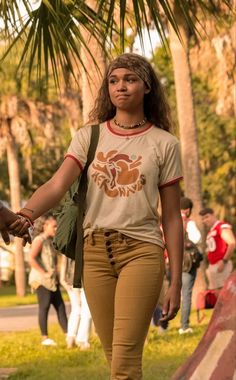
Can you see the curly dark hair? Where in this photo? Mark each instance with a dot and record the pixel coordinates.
(156, 107)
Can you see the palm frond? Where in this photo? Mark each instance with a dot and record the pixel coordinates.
(53, 31)
(54, 36)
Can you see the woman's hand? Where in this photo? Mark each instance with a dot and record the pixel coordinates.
(171, 303)
(19, 227)
(8, 219)
(66, 286)
(221, 266)
(50, 274)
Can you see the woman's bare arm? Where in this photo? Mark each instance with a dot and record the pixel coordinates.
(49, 194)
(173, 232)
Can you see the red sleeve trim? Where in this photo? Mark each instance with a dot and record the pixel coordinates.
(76, 160)
(171, 182)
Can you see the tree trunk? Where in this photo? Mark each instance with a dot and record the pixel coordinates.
(186, 115)
(187, 124)
(14, 179)
(91, 80)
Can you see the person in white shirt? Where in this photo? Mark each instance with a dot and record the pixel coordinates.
(188, 278)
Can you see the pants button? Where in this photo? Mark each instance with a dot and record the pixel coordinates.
(108, 242)
(110, 256)
(112, 262)
(107, 233)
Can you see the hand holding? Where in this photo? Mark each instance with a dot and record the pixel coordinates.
(19, 227)
(7, 219)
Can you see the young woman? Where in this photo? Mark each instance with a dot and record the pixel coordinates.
(137, 161)
(44, 279)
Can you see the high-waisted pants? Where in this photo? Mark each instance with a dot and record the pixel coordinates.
(122, 280)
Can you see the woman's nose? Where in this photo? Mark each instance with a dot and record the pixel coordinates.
(121, 86)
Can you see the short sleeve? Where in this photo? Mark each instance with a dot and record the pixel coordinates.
(78, 148)
(225, 225)
(171, 168)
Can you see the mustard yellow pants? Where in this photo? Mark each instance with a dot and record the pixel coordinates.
(122, 279)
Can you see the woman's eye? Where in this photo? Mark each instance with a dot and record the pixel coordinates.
(131, 80)
(112, 81)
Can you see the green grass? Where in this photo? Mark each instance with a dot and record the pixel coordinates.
(163, 354)
(9, 298)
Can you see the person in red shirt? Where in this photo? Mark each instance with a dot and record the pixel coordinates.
(220, 247)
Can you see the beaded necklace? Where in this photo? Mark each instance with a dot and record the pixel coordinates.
(132, 126)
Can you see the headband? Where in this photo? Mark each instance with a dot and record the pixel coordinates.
(135, 63)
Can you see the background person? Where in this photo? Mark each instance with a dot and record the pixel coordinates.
(137, 161)
(44, 280)
(188, 278)
(220, 242)
(79, 322)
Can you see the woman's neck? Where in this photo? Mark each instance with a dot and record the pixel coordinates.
(125, 118)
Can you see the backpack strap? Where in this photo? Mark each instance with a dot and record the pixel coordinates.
(81, 196)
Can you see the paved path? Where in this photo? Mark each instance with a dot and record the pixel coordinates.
(22, 318)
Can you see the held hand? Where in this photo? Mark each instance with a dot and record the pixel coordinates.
(19, 227)
(171, 303)
(68, 287)
(5, 236)
(49, 274)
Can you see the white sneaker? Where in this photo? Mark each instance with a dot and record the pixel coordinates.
(48, 342)
(188, 330)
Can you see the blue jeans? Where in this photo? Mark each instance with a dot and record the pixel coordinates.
(188, 280)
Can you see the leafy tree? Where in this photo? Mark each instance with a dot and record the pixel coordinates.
(215, 133)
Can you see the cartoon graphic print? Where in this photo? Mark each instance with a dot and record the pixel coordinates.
(118, 173)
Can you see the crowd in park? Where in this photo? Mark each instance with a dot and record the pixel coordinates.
(127, 251)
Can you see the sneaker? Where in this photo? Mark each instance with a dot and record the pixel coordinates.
(48, 342)
(70, 341)
(83, 346)
(188, 330)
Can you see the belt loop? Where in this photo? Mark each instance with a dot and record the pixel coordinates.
(91, 238)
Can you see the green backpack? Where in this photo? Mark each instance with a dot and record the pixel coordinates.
(69, 235)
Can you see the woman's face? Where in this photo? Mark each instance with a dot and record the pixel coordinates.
(126, 89)
(50, 227)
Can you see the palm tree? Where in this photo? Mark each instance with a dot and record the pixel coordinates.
(187, 123)
(91, 79)
(52, 30)
(13, 129)
(17, 118)
(185, 108)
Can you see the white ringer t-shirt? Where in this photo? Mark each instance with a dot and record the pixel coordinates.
(125, 177)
